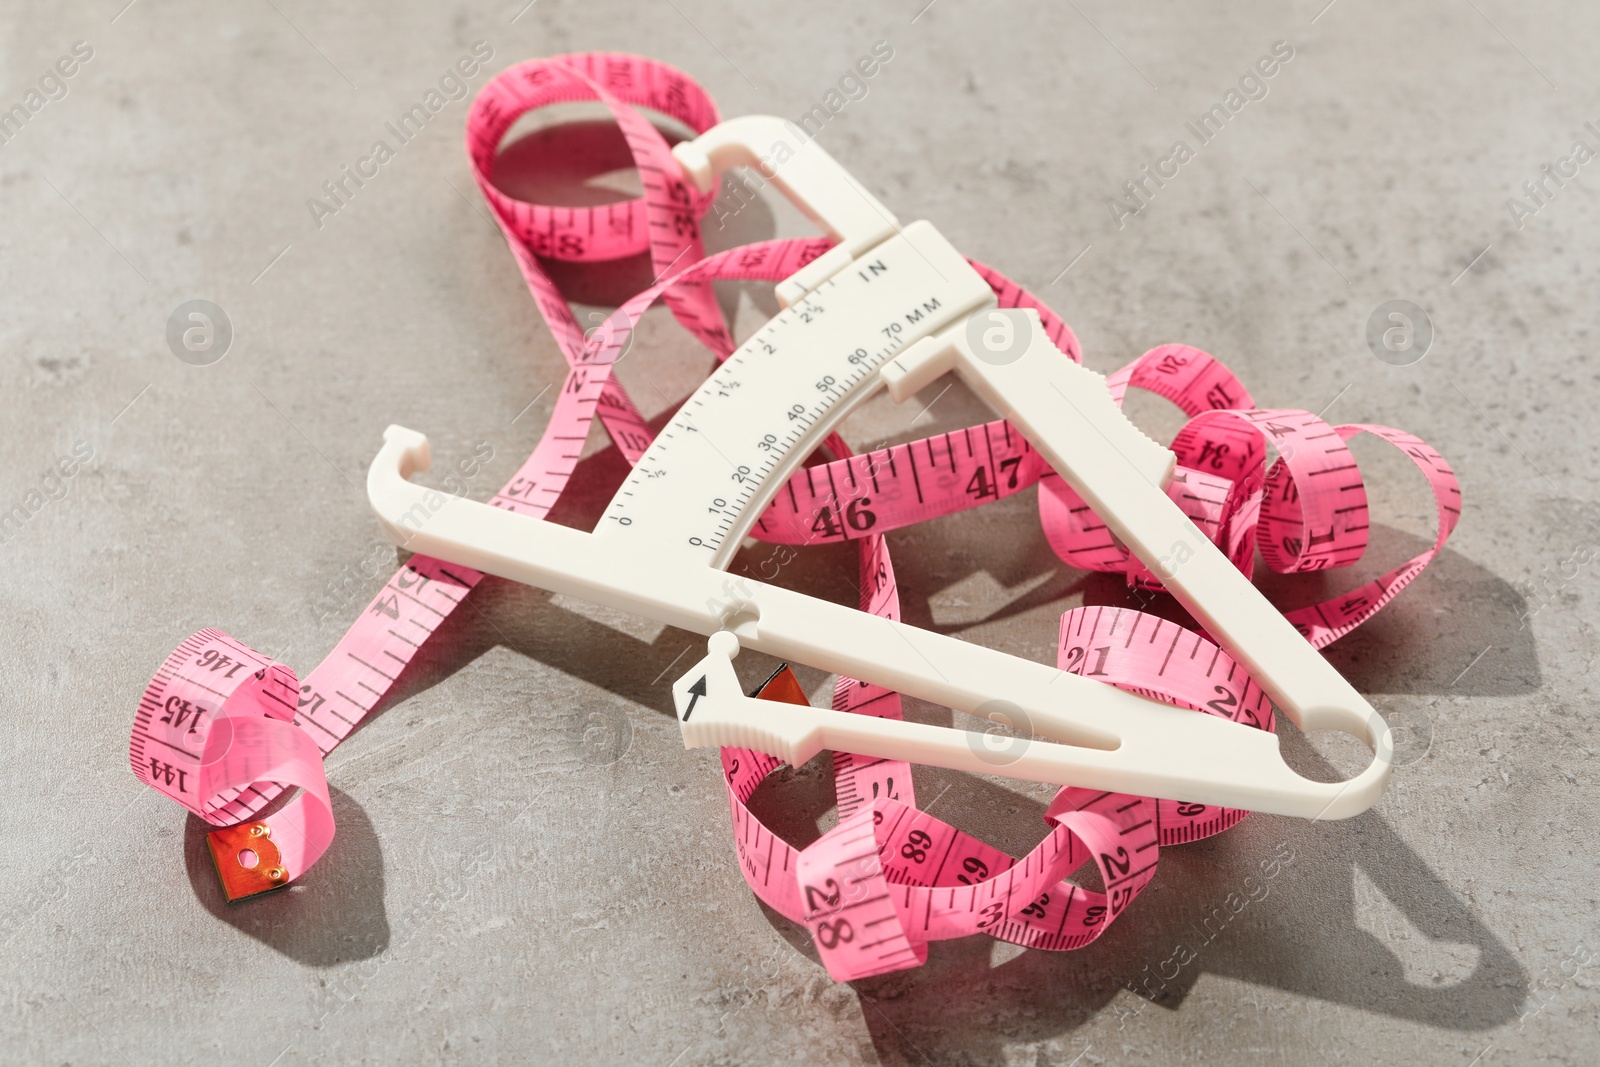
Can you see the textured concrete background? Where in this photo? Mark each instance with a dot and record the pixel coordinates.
(528, 863)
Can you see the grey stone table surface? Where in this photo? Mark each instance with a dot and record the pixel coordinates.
(529, 865)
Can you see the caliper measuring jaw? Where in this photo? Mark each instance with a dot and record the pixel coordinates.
(654, 554)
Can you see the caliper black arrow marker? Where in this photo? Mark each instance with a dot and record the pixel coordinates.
(696, 691)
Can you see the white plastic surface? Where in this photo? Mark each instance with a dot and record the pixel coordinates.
(664, 561)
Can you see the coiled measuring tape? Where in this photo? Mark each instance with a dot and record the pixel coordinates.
(224, 731)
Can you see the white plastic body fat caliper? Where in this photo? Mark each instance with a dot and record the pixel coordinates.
(900, 304)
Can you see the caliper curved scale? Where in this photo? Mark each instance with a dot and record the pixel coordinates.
(889, 307)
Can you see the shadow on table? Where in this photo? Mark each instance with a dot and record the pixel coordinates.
(1419, 953)
(333, 914)
(1437, 964)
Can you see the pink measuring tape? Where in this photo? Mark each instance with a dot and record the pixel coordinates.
(225, 731)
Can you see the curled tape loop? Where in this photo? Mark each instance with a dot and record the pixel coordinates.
(215, 730)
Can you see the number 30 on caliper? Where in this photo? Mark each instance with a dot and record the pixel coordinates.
(893, 307)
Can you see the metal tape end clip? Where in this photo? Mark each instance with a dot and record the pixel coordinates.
(784, 686)
(232, 850)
